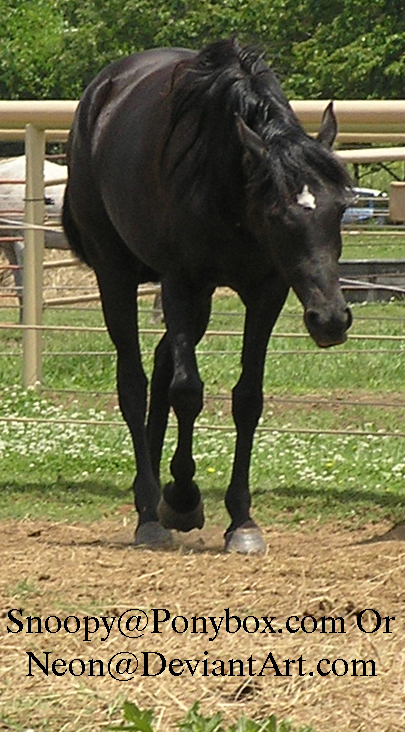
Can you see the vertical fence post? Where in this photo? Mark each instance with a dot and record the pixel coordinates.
(33, 255)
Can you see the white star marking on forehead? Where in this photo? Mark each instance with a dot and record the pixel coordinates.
(306, 199)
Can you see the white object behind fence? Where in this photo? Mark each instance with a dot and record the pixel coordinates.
(13, 194)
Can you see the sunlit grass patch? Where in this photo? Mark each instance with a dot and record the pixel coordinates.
(65, 470)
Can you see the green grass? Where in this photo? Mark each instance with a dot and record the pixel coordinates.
(83, 472)
(382, 242)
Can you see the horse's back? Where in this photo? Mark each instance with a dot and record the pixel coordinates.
(133, 81)
(114, 146)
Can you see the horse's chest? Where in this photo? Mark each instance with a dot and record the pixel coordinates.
(225, 257)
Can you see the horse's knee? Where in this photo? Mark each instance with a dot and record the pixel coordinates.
(186, 396)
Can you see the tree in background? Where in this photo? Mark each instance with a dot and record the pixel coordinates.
(319, 48)
(359, 53)
(31, 33)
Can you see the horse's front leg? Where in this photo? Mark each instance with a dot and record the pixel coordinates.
(186, 319)
(262, 311)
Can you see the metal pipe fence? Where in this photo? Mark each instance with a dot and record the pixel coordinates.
(332, 403)
(37, 121)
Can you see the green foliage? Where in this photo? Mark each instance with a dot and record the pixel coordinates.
(137, 721)
(332, 48)
(31, 40)
(358, 53)
(196, 722)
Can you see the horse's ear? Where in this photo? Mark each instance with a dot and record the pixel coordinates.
(251, 141)
(329, 129)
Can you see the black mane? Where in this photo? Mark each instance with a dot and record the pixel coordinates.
(222, 82)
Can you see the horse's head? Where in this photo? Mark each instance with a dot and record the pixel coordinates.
(296, 211)
(308, 255)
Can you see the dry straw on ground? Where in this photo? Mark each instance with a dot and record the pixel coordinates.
(58, 282)
(60, 569)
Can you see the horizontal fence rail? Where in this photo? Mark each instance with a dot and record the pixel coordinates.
(205, 427)
(208, 334)
(354, 116)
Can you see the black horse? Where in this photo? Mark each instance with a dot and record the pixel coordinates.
(192, 169)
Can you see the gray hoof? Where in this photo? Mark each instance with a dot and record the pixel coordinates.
(152, 534)
(245, 541)
(171, 519)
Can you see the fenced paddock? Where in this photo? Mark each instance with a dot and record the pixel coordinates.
(330, 446)
(352, 397)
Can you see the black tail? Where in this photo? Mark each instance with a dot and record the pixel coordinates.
(71, 230)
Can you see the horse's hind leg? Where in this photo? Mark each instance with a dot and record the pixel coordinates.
(186, 318)
(159, 404)
(181, 506)
(118, 290)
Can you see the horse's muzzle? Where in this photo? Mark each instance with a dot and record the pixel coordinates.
(328, 328)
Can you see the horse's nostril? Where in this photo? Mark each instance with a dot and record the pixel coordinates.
(315, 319)
(312, 318)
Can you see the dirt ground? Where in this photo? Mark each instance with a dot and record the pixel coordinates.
(92, 571)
